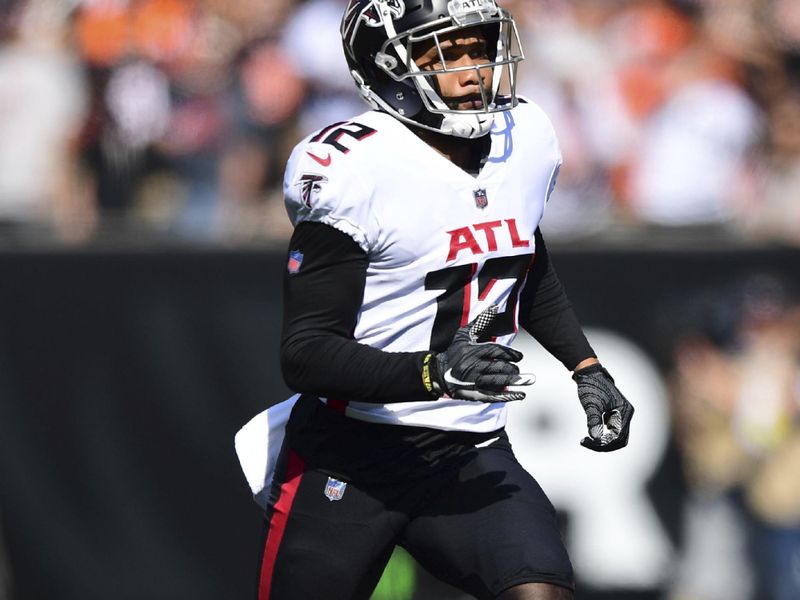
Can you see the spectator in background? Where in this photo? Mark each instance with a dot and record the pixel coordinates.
(765, 38)
(697, 124)
(267, 95)
(774, 214)
(191, 102)
(658, 128)
(569, 71)
(43, 103)
(737, 415)
(312, 42)
(767, 424)
(126, 46)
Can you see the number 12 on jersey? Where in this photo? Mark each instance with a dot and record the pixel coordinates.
(453, 305)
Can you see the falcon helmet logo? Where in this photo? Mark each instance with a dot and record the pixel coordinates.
(481, 200)
(334, 489)
(311, 184)
(373, 14)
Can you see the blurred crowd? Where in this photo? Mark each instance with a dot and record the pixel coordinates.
(736, 391)
(175, 117)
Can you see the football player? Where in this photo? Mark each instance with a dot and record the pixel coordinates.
(416, 256)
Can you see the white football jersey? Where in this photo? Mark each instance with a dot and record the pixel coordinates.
(442, 244)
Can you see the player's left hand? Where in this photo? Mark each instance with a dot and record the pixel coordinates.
(608, 412)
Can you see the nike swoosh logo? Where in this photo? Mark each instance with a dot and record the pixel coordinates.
(325, 162)
(448, 377)
(487, 442)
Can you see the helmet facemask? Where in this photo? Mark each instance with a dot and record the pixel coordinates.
(430, 110)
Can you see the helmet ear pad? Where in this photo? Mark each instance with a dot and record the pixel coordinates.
(402, 96)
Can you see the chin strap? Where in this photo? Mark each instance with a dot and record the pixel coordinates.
(467, 126)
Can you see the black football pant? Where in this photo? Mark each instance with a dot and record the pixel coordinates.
(482, 525)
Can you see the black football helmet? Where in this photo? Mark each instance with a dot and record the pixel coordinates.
(379, 38)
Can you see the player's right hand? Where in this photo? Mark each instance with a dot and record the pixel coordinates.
(478, 371)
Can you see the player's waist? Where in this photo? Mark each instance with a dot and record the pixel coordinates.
(357, 449)
(442, 414)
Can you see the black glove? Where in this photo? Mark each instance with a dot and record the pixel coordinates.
(608, 413)
(469, 370)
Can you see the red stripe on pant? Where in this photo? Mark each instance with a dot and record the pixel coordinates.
(277, 524)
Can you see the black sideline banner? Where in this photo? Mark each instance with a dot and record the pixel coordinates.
(124, 376)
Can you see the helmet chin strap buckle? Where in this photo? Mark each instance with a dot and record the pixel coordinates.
(386, 61)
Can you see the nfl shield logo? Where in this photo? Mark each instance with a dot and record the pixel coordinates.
(295, 261)
(481, 201)
(334, 489)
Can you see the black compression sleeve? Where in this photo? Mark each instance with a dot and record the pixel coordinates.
(320, 307)
(547, 314)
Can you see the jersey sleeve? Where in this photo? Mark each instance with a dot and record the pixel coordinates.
(554, 178)
(318, 353)
(547, 139)
(321, 186)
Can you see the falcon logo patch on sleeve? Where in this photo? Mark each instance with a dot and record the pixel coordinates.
(311, 184)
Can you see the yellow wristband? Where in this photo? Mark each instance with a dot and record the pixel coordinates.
(426, 372)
